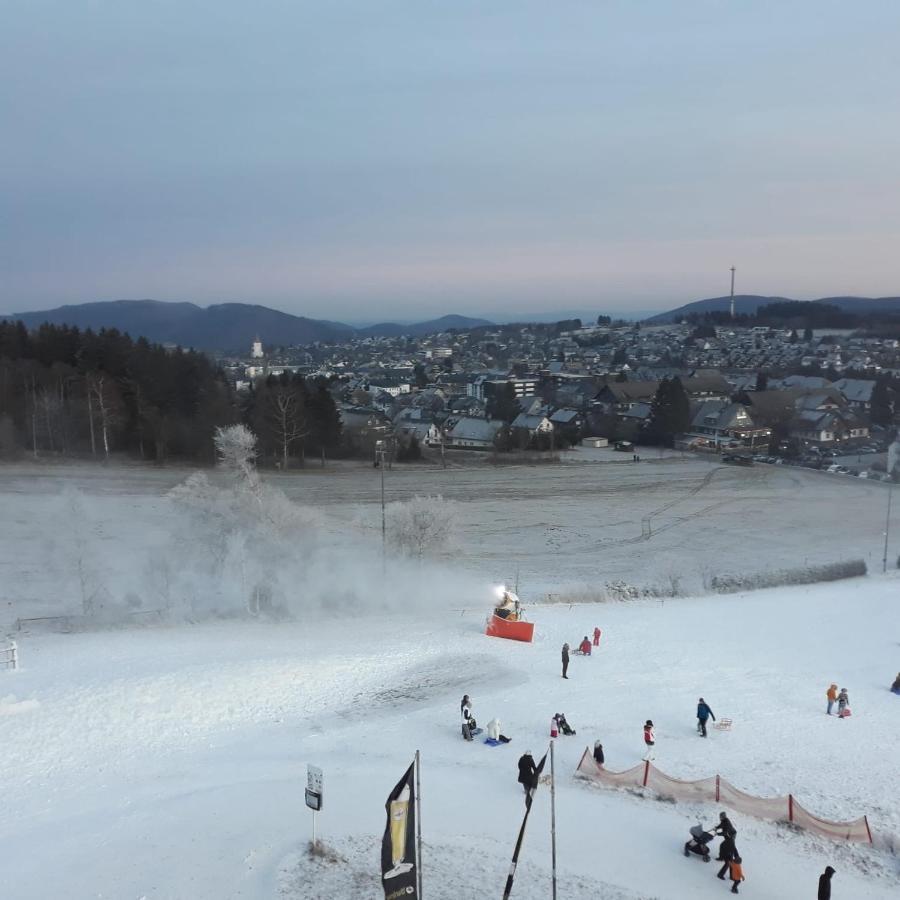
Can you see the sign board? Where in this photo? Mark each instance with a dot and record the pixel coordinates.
(314, 788)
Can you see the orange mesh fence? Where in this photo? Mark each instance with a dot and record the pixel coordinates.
(633, 777)
(776, 809)
(856, 831)
(717, 790)
(674, 788)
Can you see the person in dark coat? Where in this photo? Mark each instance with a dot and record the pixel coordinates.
(825, 884)
(725, 828)
(527, 772)
(727, 852)
(565, 660)
(598, 753)
(703, 715)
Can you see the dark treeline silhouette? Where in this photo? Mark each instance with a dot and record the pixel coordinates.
(797, 314)
(69, 392)
(79, 393)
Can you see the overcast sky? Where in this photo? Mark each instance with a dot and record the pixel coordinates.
(369, 159)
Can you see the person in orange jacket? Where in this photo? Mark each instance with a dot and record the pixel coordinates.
(832, 695)
(736, 873)
(598, 632)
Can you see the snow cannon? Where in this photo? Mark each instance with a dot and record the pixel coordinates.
(507, 620)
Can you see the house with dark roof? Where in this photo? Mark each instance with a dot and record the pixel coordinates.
(717, 422)
(618, 397)
(856, 391)
(470, 433)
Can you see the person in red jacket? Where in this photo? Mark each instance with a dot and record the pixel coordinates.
(649, 739)
(585, 646)
(598, 632)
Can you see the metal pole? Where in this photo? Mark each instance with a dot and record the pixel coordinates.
(732, 292)
(418, 825)
(553, 815)
(887, 526)
(383, 520)
(314, 830)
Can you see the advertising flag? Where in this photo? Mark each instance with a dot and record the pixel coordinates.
(398, 846)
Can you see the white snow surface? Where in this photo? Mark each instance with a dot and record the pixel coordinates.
(170, 762)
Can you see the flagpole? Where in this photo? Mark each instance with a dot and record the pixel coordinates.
(553, 815)
(418, 825)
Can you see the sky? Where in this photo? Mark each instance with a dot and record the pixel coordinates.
(358, 160)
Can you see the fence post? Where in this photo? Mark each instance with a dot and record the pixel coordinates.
(790, 807)
(717, 788)
(646, 771)
(868, 830)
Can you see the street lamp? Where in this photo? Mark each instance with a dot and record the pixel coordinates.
(380, 449)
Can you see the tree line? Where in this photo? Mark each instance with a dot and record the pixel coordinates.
(797, 314)
(68, 392)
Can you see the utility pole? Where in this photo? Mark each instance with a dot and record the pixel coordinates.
(732, 293)
(379, 456)
(553, 815)
(887, 525)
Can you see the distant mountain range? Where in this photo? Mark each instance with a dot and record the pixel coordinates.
(749, 303)
(225, 326)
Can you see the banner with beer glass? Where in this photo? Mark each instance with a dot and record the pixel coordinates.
(399, 858)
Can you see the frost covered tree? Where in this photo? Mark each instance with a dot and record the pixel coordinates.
(236, 450)
(240, 546)
(421, 526)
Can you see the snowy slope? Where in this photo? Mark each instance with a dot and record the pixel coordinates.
(170, 763)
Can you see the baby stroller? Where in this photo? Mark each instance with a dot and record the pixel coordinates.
(700, 839)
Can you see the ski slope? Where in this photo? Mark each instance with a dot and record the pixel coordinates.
(170, 762)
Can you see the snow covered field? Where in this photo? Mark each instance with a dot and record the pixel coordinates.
(170, 762)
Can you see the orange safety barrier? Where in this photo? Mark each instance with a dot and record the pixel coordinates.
(717, 790)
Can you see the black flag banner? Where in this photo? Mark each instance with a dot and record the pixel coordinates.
(398, 846)
(528, 800)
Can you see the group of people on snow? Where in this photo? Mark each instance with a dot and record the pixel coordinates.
(470, 727)
(732, 863)
(584, 649)
(842, 699)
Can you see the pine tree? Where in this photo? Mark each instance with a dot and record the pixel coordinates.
(325, 421)
(670, 412)
(502, 404)
(881, 411)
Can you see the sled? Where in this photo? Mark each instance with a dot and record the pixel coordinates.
(514, 630)
(845, 713)
(723, 724)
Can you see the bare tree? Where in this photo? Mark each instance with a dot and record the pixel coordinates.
(102, 392)
(286, 418)
(84, 558)
(421, 526)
